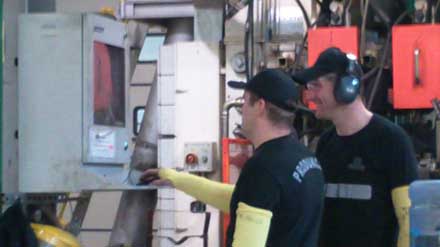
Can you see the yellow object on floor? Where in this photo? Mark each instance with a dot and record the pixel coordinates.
(54, 237)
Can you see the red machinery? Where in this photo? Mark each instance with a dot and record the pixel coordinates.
(416, 55)
(235, 153)
(319, 39)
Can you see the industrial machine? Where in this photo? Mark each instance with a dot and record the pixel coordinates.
(101, 99)
(88, 141)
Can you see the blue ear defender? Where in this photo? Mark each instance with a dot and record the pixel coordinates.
(347, 88)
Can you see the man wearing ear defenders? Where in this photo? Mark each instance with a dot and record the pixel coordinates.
(368, 162)
(278, 198)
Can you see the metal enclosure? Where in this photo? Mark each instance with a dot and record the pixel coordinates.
(416, 56)
(109, 143)
(189, 122)
(66, 142)
(152, 9)
(9, 124)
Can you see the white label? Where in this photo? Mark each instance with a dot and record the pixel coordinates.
(102, 143)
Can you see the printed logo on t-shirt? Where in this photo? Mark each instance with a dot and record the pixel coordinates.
(304, 166)
(356, 165)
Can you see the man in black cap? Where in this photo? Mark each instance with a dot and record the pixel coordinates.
(278, 198)
(368, 162)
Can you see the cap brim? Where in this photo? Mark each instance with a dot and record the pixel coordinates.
(307, 75)
(237, 84)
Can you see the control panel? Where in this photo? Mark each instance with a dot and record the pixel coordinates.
(198, 157)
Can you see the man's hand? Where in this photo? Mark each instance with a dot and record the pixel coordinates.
(151, 177)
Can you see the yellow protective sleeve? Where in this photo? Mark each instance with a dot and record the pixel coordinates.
(213, 193)
(402, 203)
(251, 226)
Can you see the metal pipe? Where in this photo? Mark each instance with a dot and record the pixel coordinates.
(233, 7)
(133, 224)
(246, 42)
(303, 10)
(225, 115)
(383, 16)
(145, 151)
(134, 219)
(347, 17)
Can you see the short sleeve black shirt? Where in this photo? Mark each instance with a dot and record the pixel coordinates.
(285, 178)
(360, 172)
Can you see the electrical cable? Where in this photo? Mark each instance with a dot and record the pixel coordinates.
(303, 10)
(246, 44)
(319, 3)
(364, 23)
(303, 44)
(435, 10)
(383, 60)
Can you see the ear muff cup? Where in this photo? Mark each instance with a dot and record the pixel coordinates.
(347, 88)
(348, 85)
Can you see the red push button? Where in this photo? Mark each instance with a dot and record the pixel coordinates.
(191, 159)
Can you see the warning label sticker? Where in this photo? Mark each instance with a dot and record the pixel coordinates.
(102, 143)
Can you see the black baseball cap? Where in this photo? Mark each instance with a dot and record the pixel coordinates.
(273, 85)
(331, 60)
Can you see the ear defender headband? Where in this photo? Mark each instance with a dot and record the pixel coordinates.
(347, 88)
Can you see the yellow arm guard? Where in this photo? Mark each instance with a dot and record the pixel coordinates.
(251, 226)
(402, 204)
(213, 193)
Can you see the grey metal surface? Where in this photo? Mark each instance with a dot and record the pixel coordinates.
(193, 68)
(50, 107)
(225, 115)
(144, 9)
(10, 100)
(55, 104)
(134, 217)
(179, 30)
(208, 23)
(79, 213)
(145, 151)
(202, 154)
(35, 199)
(109, 32)
(40, 6)
(286, 22)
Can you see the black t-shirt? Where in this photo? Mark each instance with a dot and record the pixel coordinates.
(285, 178)
(360, 172)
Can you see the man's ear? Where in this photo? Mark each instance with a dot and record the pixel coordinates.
(261, 104)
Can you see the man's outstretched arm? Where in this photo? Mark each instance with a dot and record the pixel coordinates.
(211, 192)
